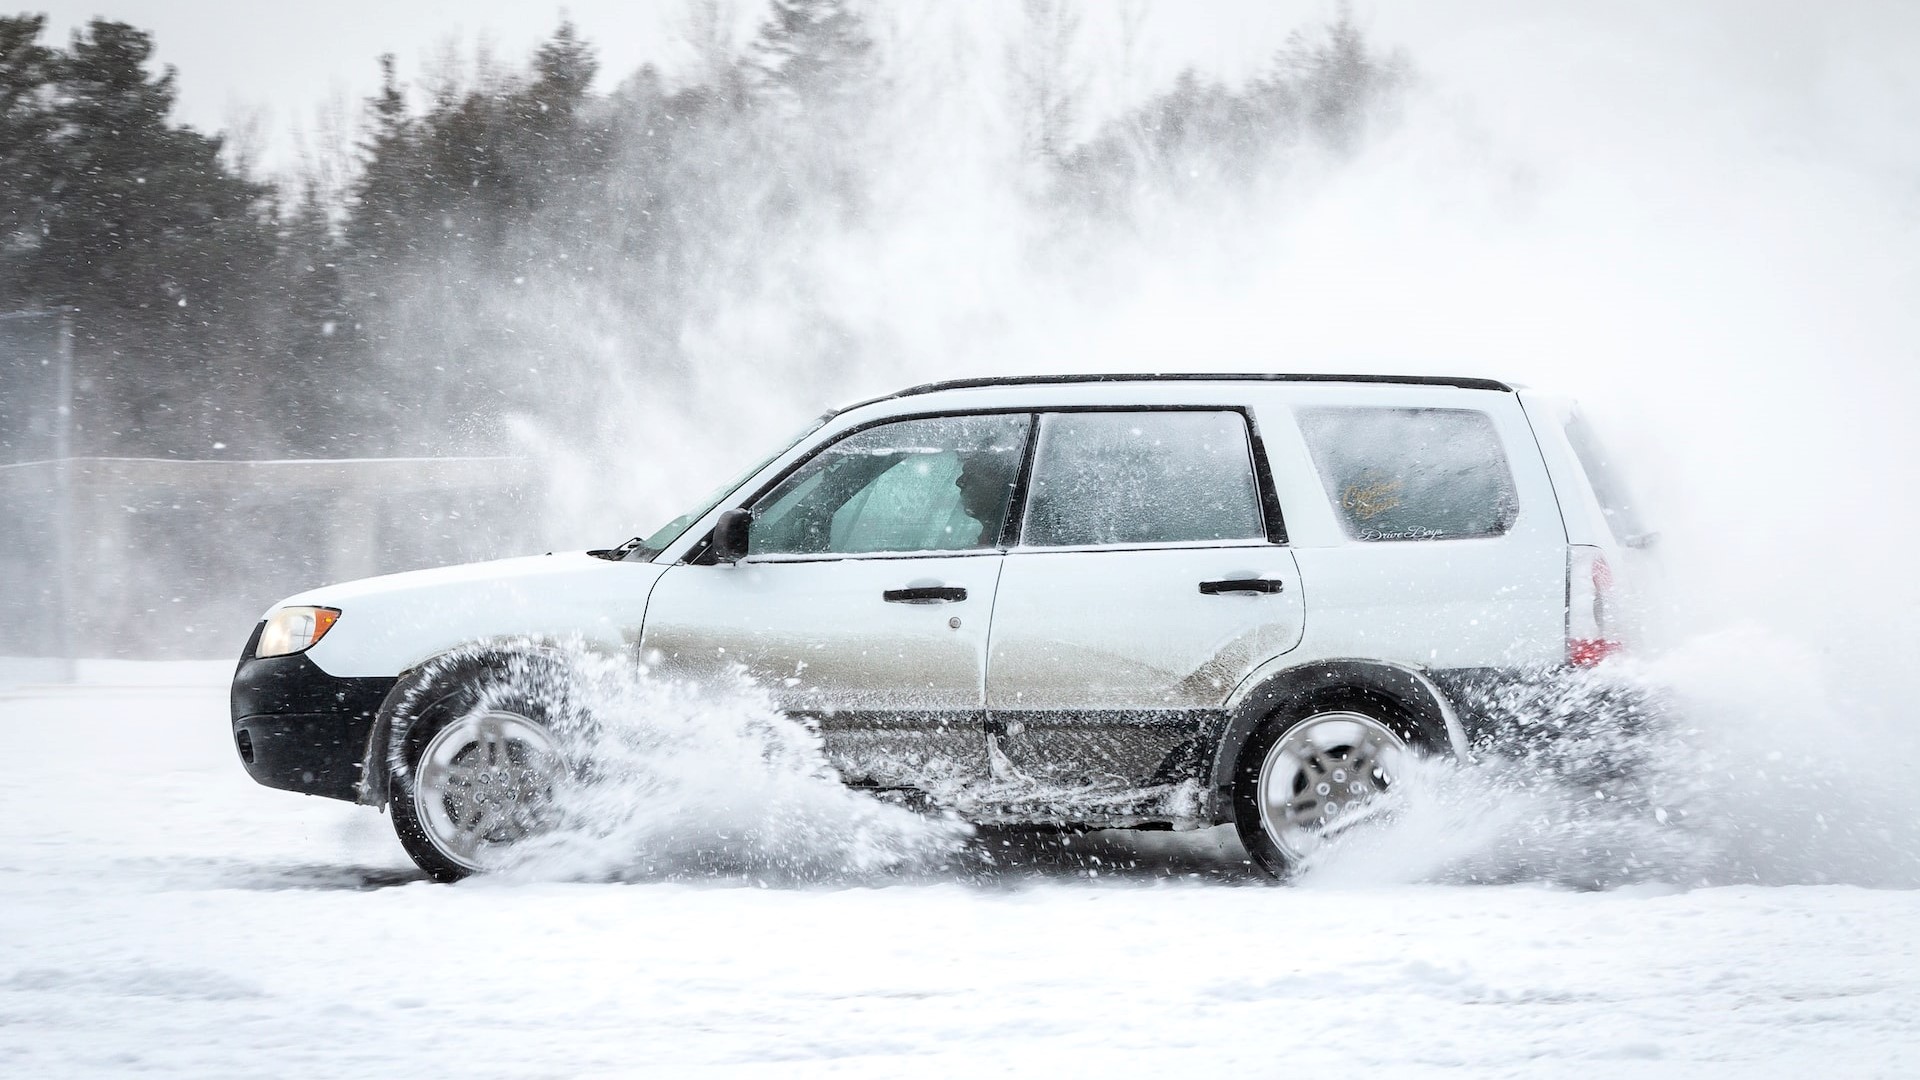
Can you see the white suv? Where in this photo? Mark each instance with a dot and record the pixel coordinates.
(1114, 601)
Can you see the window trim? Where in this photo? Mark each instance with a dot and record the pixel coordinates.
(701, 553)
(781, 557)
(1273, 523)
(1144, 545)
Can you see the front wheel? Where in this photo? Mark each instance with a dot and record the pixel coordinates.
(479, 782)
(1310, 776)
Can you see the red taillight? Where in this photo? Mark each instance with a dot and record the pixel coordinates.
(1589, 608)
(1587, 652)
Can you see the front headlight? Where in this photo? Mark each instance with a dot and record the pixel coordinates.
(295, 629)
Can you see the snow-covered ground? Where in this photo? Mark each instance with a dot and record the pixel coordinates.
(161, 913)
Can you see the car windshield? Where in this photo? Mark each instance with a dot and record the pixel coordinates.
(657, 541)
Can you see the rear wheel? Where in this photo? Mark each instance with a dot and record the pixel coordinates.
(1313, 773)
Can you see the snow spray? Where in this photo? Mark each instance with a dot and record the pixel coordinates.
(1701, 223)
(668, 780)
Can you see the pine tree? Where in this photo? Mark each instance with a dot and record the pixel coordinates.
(563, 69)
(1201, 136)
(320, 354)
(28, 158)
(1050, 88)
(159, 246)
(380, 228)
(1337, 77)
(550, 143)
(811, 53)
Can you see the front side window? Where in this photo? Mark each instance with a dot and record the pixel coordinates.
(930, 484)
(1142, 478)
(1412, 474)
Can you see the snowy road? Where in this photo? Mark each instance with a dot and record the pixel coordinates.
(163, 914)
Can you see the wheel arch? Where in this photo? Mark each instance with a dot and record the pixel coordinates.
(1266, 694)
(431, 681)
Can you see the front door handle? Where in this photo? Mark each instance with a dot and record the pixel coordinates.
(925, 594)
(1241, 585)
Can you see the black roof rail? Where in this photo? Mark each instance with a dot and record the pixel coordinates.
(1037, 380)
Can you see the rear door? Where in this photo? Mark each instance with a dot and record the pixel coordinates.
(1150, 578)
(863, 603)
(1424, 521)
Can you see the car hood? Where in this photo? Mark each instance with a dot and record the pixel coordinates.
(390, 623)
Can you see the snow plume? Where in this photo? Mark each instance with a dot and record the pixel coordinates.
(742, 255)
(1705, 226)
(673, 780)
(1702, 222)
(1686, 770)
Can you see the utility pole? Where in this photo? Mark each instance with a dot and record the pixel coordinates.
(63, 480)
(61, 488)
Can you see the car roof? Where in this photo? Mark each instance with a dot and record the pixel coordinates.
(1463, 382)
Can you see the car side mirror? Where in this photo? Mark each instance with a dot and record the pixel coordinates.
(730, 535)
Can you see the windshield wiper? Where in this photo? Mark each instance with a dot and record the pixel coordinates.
(621, 552)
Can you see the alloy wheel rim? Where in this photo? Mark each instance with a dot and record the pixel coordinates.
(485, 783)
(1322, 777)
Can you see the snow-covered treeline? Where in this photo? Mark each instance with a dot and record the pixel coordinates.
(502, 246)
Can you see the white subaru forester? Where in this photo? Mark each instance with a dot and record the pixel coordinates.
(1080, 601)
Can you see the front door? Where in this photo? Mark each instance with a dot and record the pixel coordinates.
(864, 601)
(1148, 582)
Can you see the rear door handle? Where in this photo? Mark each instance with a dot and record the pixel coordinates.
(1241, 585)
(925, 594)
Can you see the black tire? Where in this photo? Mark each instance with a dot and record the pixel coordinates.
(481, 719)
(1266, 852)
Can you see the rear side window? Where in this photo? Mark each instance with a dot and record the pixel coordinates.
(1142, 478)
(1412, 474)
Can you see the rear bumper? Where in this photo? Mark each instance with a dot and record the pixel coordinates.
(298, 728)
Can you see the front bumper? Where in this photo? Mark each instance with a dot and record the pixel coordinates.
(298, 728)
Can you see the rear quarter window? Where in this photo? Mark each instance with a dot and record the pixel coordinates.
(1412, 474)
(1616, 502)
